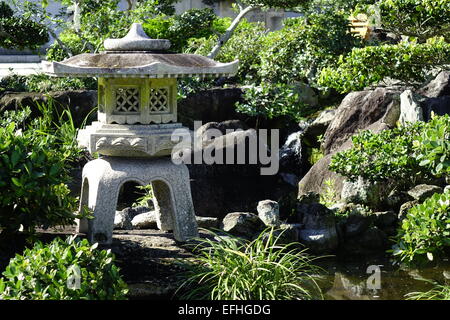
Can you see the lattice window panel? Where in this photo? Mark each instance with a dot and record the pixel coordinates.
(127, 100)
(159, 100)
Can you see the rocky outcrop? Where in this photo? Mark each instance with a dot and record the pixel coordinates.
(359, 110)
(423, 191)
(438, 87)
(318, 127)
(269, 212)
(243, 224)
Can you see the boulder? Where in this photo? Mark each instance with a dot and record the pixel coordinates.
(363, 192)
(146, 220)
(357, 111)
(269, 212)
(356, 224)
(213, 105)
(405, 208)
(438, 87)
(318, 127)
(439, 106)
(242, 224)
(79, 102)
(410, 107)
(204, 132)
(122, 221)
(318, 227)
(423, 191)
(385, 219)
(207, 222)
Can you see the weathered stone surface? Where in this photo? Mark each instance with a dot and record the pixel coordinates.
(146, 220)
(384, 219)
(438, 87)
(357, 111)
(405, 208)
(206, 132)
(213, 105)
(243, 224)
(79, 102)
(439, 106)
(269, 212)
(410, 107)
(122, 221)
(318, 230)
(363, 192)
(423, 191)
(309, 198)
(318, 127)
(207, 222)
(356, 224)
(319, 173)
(170, 183)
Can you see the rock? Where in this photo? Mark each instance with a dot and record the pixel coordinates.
(410, 107)
(439, 106)
(395, 199)
(309, 198)
(318, 230)
(384, 219)
(423, 191)
(79, 102)
(290, 232)
(405, 208)
(359, 110)
(269, 212)
(356, 224)
(316, 178)
(202, 133)
(373, 239)
(438, 87)
(146, 220)
(207, 222)
(363, 192)
(318, 128)
(306, 94)
(243, 224)
(213, 105)
(122, 221)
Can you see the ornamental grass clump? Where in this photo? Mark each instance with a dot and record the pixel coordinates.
(262, 269)
(63, 270)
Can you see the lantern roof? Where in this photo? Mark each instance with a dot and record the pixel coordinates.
(136, 55)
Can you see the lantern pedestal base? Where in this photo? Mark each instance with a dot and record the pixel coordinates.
(103, 178)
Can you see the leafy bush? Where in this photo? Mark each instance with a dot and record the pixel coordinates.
(71, 40)
(51, 272)
(33, 172)
(384, 156)
(20, 32)
(44, 83)
(304, 46)
(418, 18)
(272, 101)
(425, 232)
(407, 62)
(432, 146)
(239, 270)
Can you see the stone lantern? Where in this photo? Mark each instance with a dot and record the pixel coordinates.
(137, 115)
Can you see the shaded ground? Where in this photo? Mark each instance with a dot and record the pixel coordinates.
(148, 259)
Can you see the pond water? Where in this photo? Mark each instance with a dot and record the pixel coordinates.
(349, 279)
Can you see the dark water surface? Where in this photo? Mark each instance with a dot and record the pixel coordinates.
(349, 279)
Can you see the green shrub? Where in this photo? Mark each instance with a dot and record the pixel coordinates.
(409, 63)
(33, 172)
(385, 156)
(304, 46)
(425, 232)
(258, 270)
(418, 18)
(432, 146)
(44, 83)
(50, 272)
(20, 32)
(71, 40)
(273, 100)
